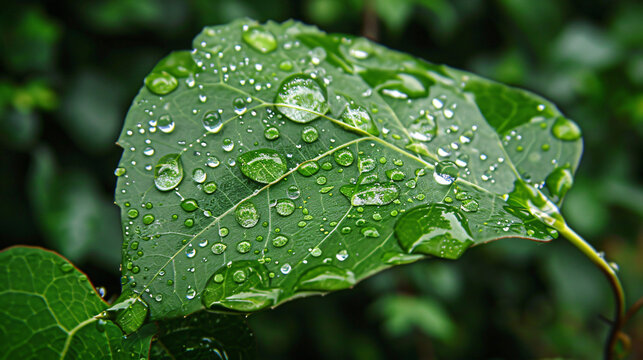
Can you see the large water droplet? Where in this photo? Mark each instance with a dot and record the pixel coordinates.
(559, 182)
(165, 124)
(260, 39)
(565, 129)
(344, 157)
(161, 82)
(445, 172)
(301, 99)
(325, 278)
(308, 169)
(212, 122)
(285, 207)
(423, 128)
(271, 133)
(263, 165)
(198, 175)
(168, 172)
(309, 134)
(435, 229)
(246, 214)
(358, 117)
(241, 286)
(371, 194)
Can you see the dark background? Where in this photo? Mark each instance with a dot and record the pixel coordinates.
(69, 70)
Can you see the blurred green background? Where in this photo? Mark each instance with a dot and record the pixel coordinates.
(69, 70)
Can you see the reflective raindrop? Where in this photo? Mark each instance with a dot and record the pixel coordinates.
(344, 157)
(165, 124)
(271, 133)
(301, 99)
(435, 229)
(358, 117)
(263, 165)
(212, 122)
(189, 205)
(168, 172)
(445, 172)
(246, 214)
(469, 205)
(285, 207)
(218, 248)
(198, 175)
(325, 278)
(279, 241)
(293, 192)
(371, 194)
(259, 39)
(161, 82)
(210, 187)
(309, 134)
(309, 168)
(565, 129)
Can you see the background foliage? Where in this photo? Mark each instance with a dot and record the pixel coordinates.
(69, 71)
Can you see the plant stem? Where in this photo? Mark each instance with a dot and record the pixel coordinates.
(617, 289)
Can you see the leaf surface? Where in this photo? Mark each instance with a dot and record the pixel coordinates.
(49, 310)
(276, 161)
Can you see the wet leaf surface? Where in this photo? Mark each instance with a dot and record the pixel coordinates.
(300, 151)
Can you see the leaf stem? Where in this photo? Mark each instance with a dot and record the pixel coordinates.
(610, 273)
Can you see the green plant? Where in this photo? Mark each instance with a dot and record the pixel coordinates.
(274, 162)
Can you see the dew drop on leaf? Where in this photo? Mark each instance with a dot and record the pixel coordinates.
(263, 165)
(344, 157)
(168, 172)
(259, 39)
(309, 134)
(279, 241)
(358, 117)
(246, 214)
(445, 172)
(165, 124)
(435, 229)
(218, 248)
(301, 99)
(189, 205)
(212, 122)
(325, 278)
(271, 133)
(565, 129)
(161, 82)
(309, 168)
(285, 207)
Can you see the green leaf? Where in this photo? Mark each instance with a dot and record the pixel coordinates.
(204, 335)
(50, 310)
(282, 167)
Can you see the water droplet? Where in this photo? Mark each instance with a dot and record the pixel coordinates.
(301, 99)
(198, 175)
(423, 128)
(263, 165)
(165, 124)
(271, 133)
(435, 229)
(285, 269)
(161, 82)
(213, 162)
(120, 171)
(239, 105)
(168, 172)
(309, 168)
(279, 241)
(344, 157)
(190, 252)
(366, 164)
(259, 39)
(246, 214)
(66, 267)
(325, 278)
(189, 205)
(395, 174)
(565, 129)
(228, 145)
(309, 134)
(394, 258)
(559, 182)
(445, 172)
(210, 187)
(358, 117)
(286, 65)
(148, 219)
(285, 207)
(342, 255)
(218, 248)
(370, 231)
(190, 294)
(293, 192)
(240, 286)
(212, 122)
(371, 194)
(361, 49)
(470, 205)
(132, 213)
(244, 247)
